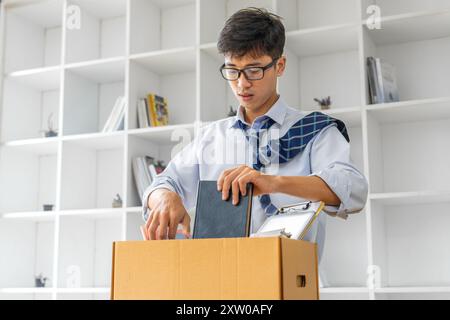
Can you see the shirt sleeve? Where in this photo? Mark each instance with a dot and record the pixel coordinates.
(181, 176)
(330, 160)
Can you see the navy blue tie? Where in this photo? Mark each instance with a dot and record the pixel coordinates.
(288, 146)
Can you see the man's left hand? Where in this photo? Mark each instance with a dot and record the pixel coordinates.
(237, 178)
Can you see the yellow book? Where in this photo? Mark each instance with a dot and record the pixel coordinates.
(151, 109)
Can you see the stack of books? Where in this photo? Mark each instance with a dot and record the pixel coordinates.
(382, 81)
(116, 117)
(152, 111)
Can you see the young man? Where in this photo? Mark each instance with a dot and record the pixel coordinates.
(311, 160)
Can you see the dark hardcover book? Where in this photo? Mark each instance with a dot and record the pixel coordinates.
(217, 218)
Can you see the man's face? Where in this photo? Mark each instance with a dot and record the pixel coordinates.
(253, 94)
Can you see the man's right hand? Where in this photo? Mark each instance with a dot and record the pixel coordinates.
(167, 211)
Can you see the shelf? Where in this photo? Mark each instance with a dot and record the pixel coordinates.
(163, 134)
(333, 290)
(103, 9)
(30, 216)
(168, 62)
(26, 290)
(38, 146)
(412, 290)
(82, 290)
(323, 40)
(100, 71)
(411, 111)
(212, 51)
(412, 27)
(94, 214)
(411, 198)
(42, 79)
(97, 141)
(350, 116)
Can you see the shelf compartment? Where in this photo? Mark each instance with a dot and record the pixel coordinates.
(335, 74)
(216, 96)
(27, 180)
(155, 25)
(213, 14)
(33, 28)
(30, 99)
(85, 251)
(139, 146)
(411, 28)
(323, 40)
(92, 173)
(396, 161)
(345, 239)
(407, 244)
(417, 55)
(27, 251)
(101, 33)
(303, 14)
(178, 86)
(90, 94)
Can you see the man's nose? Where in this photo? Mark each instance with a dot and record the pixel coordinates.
(243, 82)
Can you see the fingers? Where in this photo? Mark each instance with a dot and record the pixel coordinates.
(162, 228)
(226, 179)
(173, 226)
(240, 184)
(153, 226)
(186, 225)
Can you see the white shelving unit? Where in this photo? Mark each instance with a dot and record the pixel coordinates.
(132, 47)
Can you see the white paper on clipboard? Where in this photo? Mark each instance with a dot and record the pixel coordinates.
(291, 221)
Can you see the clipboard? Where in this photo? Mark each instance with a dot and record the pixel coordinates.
(293, 221)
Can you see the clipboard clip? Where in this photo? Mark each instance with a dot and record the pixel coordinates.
(302, 206)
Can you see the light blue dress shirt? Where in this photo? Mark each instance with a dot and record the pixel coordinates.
(222, 145)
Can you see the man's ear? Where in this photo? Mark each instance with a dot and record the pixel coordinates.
(281, 66)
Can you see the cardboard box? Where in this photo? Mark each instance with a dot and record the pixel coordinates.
(233, 268)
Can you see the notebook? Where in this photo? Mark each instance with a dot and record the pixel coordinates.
(217, 218)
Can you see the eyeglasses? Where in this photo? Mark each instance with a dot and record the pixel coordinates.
(250, 73)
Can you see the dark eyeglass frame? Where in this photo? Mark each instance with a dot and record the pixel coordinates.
(224, 67)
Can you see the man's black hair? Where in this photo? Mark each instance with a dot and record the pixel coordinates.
(252, 31)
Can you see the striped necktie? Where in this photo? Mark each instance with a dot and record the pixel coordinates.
(288, 146)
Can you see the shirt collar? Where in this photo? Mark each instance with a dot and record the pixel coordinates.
(277, 113)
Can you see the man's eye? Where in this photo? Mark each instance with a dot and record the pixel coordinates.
(231, 71)
(253, 71)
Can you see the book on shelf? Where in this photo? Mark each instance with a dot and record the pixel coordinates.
(145, 169)
(143, 118)
(116, 117)
(142, 175)
(382, 81)
(157, 110)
